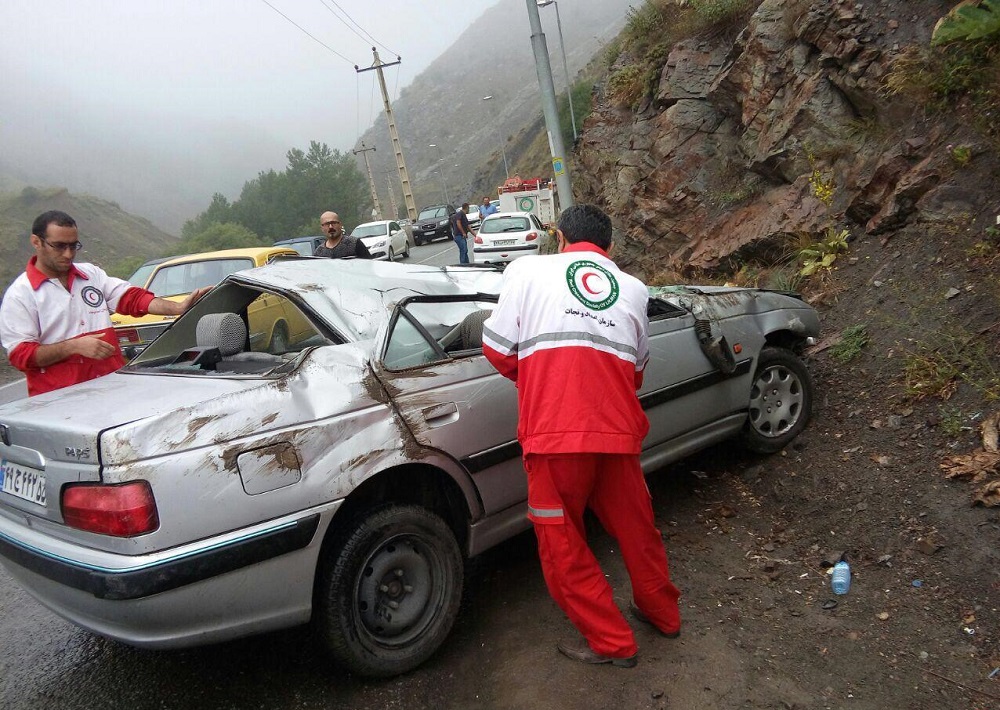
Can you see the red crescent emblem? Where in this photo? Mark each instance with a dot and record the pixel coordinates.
(583, 282)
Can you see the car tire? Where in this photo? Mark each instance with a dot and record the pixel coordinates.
(406, 250)
(390, 255)
(781, 400)
(389, 590)
(279, 339)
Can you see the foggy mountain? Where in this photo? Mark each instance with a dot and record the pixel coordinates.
(444, 105)
(166, 167)
(163, 167)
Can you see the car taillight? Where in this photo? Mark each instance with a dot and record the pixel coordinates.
(531, 236)
(478, 240)
(127, 336)
(121, 510)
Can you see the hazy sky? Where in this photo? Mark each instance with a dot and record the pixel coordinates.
(227, 61)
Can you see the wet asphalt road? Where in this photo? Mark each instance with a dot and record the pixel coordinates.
(46, 662)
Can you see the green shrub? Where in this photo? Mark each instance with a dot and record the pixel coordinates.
(626, 86)
(961, 78)
(969, 23)
(852, 342)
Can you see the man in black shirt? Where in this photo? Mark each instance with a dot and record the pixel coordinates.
(339, 245)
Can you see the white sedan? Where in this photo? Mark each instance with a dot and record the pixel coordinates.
(504, 236)
(384, 239)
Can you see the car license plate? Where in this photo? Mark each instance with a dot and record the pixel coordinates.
(22, 482)
(504, 242)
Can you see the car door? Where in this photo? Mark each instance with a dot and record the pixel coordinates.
(397, 238)
(682, 390)
(450, 396)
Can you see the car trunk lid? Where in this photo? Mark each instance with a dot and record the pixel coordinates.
(53, 439)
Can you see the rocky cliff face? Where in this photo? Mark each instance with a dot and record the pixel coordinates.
(716, 167)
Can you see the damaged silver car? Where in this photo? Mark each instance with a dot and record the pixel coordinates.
(217, 486)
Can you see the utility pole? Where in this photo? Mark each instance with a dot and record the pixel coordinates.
(544, 71)
(404, 178)
(392, 196)
(371, 179)
(562, 46)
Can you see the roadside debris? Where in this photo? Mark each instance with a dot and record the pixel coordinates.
(928, 545)
(981, 466)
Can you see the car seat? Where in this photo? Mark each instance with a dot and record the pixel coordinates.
(471, 329)
(228, 333)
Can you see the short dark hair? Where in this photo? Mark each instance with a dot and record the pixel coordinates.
(586, 223)
(465, 206)
(41, 224)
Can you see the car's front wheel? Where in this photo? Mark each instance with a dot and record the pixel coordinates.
(780, 401)
(389, 590)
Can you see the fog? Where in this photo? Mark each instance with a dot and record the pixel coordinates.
(157, 104)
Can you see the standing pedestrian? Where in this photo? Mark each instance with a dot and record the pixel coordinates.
(570, 329)
(460, 232)
(55, 318)
(487, 208)
(339, 245)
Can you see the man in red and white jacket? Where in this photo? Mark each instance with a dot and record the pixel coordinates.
(55, 318)
(570, 329)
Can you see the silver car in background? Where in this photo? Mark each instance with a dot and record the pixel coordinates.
(215, 488)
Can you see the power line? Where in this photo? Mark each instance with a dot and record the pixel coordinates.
(324, 44)
(366, 33)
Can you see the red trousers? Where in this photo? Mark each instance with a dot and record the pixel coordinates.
(560, 488)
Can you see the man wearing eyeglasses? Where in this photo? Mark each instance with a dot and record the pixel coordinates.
(55, 318)
(339, 245)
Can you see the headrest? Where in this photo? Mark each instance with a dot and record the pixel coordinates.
(225, 331)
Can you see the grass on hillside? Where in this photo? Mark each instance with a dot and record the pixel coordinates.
(651, 31)
(112, 238)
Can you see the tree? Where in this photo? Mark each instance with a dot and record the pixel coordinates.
(218, 211)
(275, 205)
(218, 235)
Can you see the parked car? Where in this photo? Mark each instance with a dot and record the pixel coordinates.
(306, 246)
(214, 488)
(504, 236)
(433, 223)
(140, 277)
(384, 239)
(176, 278)
(472, 214)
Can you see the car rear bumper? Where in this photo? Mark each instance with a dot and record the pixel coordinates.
(231, 585)
(430, 235)
(488, 255)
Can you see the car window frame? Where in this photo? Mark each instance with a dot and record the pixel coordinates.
(250, 263)
(442, 355)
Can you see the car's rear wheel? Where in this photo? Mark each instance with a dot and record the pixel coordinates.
(389, 590)
(780, 401)
(406, 249)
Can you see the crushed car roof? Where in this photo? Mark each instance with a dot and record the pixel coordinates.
(357, 295)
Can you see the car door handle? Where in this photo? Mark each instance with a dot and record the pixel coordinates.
(440, 414)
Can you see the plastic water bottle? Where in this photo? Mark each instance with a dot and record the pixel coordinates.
(841, 578)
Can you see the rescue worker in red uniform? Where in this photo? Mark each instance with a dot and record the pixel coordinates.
(570, 329)
(54, 320)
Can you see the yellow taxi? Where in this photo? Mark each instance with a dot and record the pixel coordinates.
(175, 278)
